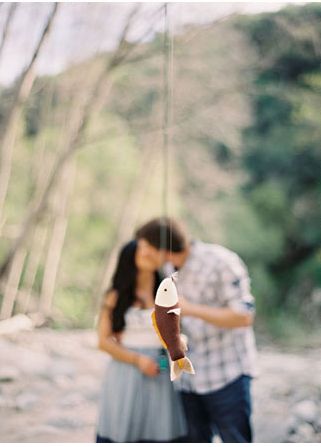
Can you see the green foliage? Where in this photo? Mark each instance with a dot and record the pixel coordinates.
(245, 235)
(73, 308)
(285, 42)
(282, 153)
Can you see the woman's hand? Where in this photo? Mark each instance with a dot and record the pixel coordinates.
(147, 366)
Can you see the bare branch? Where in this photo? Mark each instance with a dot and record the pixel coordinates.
(5, 30)
(127, 48)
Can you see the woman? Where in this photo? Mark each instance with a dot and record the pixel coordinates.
(138, 400)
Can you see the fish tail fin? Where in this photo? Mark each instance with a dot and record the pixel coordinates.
(186, 365)
(176, 371)
(178, 366)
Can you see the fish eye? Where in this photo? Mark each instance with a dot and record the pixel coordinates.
(165, 290)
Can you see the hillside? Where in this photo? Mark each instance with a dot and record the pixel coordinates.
(244, 163)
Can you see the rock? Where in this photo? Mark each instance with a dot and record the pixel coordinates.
(8, 374)
(63, 382)
(269, 427)
(292, 424)
(25, 360)
(65, 422)
(72, 400)
(60, 368)
(45, 429)
(16, 324)
(304, 433)
(306, 411)
(90, 387)
(92, 395)
(34, 432)
(26, 401)
(38, 319)
(317, 424)
(6, 402)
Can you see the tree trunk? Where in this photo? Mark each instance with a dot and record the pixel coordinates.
(12, 285)
(24, 299)
(11, 124)
(63, 194)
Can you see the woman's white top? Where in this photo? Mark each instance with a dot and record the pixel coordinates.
(139, 331)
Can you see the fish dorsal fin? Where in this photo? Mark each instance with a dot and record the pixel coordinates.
(176, 311)
(157, 330)
(174, 276)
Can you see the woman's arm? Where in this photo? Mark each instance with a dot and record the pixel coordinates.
(108, 343)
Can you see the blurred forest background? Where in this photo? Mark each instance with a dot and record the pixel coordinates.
(81, 162)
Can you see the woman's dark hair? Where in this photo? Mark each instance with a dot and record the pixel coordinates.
(124, 282)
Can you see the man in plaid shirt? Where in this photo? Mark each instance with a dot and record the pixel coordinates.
(218, 312)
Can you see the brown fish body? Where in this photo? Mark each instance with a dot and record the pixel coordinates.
(166, 319)
(168, 326)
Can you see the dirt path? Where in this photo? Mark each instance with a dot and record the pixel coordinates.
(49, 387)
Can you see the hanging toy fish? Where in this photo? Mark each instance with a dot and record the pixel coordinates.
(165, 318)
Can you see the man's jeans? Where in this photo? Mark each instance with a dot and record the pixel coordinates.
(225, 412)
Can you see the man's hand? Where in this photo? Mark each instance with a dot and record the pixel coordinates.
(186, 306)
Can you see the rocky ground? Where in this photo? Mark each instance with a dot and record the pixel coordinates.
(49, 386)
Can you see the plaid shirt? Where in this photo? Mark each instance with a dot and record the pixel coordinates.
(216, 276)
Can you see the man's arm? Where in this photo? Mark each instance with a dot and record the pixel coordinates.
(236, 304)
(222, 317)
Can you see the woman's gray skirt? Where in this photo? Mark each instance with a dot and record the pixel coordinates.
(135, 407)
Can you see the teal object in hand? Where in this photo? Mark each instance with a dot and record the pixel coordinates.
(163, 360)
